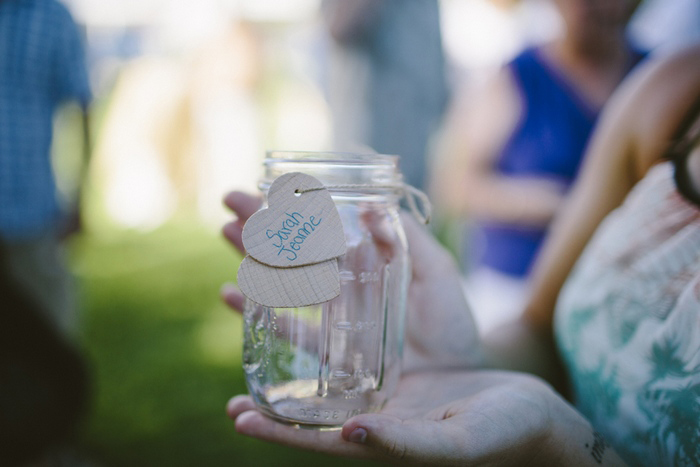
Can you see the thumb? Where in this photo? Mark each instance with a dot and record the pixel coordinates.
(409, 440)
(428, 257)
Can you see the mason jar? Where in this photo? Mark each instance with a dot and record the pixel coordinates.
(319, 365)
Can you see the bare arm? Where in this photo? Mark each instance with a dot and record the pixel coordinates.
(633, 134)
(452, 417)
(607, 176)
(86, 148)
(73, 222)
(349, 20)
(466, 183)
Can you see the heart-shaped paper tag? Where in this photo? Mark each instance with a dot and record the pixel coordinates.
(298, 228)
(289, 287)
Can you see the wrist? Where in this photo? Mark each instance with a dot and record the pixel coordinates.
(572, 440)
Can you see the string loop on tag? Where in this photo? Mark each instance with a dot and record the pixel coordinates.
(422, 213)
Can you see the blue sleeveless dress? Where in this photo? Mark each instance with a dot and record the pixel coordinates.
(549, 141)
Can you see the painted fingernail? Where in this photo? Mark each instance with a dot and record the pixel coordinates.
(358, 435)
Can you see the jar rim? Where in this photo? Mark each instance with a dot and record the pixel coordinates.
(330, 157)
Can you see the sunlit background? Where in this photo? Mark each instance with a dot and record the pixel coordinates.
(188, 96)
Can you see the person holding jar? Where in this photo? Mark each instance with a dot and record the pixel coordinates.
(626, 320)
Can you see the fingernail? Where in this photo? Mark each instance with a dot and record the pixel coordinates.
(242, 422)
(358, 435)
(228, 226)
(227, 288)
(229, 407)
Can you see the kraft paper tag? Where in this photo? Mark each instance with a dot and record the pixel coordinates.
(293, 246)
(289, 287)
(298, 228)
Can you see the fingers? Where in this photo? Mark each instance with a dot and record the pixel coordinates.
(383, 235)
(243, 204)
(233, 231)
(427, 255)
(418, 440)
(253, 423)
(239, 404)
(232, 296)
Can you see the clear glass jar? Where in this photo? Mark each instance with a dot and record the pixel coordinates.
(320, 365)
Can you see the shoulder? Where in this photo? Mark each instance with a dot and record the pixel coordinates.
(488, 104)
(525, 56)
(49, 15)
(669, 84)
(654, 100)
(52, 8)
(56, 13)
(527, 60)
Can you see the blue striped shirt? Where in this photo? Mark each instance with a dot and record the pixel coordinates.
(41, 65)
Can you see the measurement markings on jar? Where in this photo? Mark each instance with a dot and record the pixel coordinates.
(357, 326)
(329, 414)
(347, 276)
(369, 276)
(358, 373)
(352, 413)
(320, 414)
(339, 373)
(362, 373)
(365, 325)
(343, 326)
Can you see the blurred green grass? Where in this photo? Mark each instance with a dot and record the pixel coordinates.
(165, 353)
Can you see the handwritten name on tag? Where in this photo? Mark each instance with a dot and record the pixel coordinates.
(291, 236)
(298, 228)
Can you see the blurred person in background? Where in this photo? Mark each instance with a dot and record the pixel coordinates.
(182, 127)
(513, 149)
(388, 88)
(43, 378)
(621, 271)
(666, 25)
(44, 383)
(42, 65)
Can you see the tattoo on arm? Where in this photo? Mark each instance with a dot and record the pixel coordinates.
(598, 448)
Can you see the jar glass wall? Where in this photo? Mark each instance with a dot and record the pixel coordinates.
(320, 365)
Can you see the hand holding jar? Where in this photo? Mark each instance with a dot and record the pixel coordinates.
(320, 365)
(444, 411)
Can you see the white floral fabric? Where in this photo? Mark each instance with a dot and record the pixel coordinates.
(628, 326)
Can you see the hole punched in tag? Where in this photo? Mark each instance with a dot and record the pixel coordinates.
(293, 246)
(295, 230)
(422, 213)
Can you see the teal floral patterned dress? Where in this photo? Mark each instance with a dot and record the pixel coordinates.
(628, 326)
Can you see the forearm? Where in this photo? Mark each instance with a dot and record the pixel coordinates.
(518, 346)
(72, 223)
(87, 152)
(527, 202)
(564, 245)
(573, 441)
(349, 20)
(602, 187)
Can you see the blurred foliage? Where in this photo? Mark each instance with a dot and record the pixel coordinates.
(165, 353)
